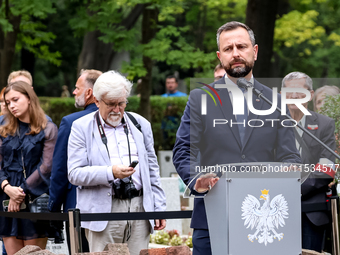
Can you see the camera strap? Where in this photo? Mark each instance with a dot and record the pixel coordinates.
(126, 131)
(104, 138)
(102, 132)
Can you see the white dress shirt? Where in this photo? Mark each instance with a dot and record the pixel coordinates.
(117, 144)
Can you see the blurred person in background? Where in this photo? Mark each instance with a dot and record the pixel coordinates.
(21, 75)
(171, 119)
(318, 102)
(171, 85)
(65, 92)
(315, 187)
(27, 141)
(321, 93)
(219, 72)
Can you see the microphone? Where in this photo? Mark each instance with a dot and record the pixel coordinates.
(243, 83)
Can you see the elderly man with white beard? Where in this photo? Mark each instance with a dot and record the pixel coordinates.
(103, 150)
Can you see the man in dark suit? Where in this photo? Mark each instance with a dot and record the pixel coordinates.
(62, 192)
(218, 142)
(314, 188)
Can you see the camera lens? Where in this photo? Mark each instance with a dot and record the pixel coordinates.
(130, 189)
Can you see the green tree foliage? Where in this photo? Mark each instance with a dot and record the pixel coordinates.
(22, 26)
(331, 108)
(48, 77)
(33, 35)
(307, 39)
(175, 43)
(163, 37)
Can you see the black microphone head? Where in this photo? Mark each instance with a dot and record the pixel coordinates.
(243, 83)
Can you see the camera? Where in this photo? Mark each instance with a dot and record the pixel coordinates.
(124, 189)
(130, 189)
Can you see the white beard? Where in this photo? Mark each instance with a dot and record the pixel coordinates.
(80, 101)
(114, 119)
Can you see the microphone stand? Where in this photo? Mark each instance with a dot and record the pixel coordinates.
(259, 94)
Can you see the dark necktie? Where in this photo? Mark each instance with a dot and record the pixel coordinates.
(243, 118)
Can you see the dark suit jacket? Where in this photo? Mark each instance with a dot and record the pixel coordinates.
(61, 191)
(314, 189)
(221, 144)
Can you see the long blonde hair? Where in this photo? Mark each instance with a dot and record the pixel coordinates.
(38, 119)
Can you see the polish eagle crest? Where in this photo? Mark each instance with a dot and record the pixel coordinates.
(266, 218)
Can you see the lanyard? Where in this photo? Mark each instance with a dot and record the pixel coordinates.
(104, 138)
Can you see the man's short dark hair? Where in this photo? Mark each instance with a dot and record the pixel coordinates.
(218, 67)
(232, 25)
(172, 77)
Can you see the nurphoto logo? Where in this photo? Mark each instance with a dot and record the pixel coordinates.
(238, 99)
(239, 109)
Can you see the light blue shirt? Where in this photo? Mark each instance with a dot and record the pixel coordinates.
(176, 94)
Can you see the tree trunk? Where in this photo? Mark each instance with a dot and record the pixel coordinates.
(202, 28)
(98, 55)
(149, 28)
(283, 8)
(28, 61)
(7, 46)
(95, 54)
(260, 17)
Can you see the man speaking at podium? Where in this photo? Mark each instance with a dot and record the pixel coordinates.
(197, 135)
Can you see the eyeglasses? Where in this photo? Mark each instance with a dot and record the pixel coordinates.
(121, 105)
(299, 94)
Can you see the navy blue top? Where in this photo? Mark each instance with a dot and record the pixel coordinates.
(62, 192)
(35, 153)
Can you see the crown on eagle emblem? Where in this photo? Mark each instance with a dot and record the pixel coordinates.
(265, 191)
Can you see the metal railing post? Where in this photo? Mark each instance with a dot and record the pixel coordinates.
(74, 222)
(78, 229)
(335, 227)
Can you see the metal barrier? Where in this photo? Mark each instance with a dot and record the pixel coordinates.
(75, 217)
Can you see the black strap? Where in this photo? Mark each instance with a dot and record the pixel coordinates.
(126, 131)
(134, 121)
(99, 216)
(101, 132)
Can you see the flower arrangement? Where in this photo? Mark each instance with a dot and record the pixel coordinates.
(170, 237)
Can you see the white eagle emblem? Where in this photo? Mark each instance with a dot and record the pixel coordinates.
(271, 215)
